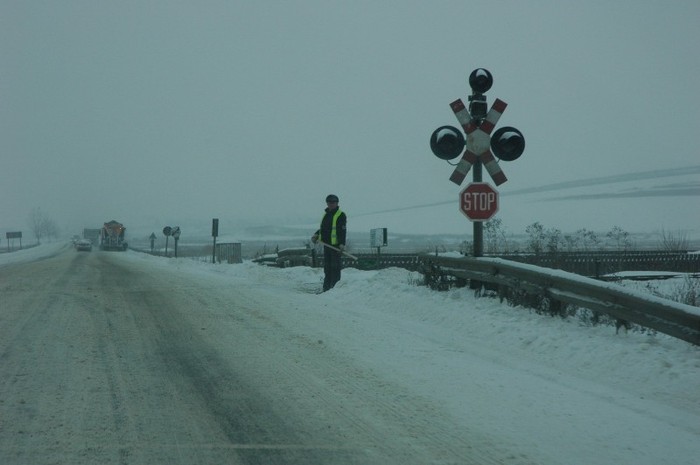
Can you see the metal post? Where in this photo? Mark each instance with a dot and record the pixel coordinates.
(214, 234)
(478, 225)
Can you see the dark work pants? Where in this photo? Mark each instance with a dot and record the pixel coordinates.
(331, 268)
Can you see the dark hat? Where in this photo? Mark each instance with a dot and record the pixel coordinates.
(332, 198)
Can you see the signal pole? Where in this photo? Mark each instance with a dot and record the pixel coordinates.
(478, 226)
(480, 147)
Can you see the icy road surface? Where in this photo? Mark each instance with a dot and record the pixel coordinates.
(129, 359)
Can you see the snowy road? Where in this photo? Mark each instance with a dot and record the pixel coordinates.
(104, 363)
(126, 359)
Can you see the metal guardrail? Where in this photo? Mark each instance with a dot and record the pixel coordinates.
(373, 261)
(675, 319)
(600, 263)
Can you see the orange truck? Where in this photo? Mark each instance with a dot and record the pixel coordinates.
(112, 236)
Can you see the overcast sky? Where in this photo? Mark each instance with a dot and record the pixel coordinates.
(159, 113)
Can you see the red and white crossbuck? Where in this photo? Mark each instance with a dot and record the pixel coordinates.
(478, 146)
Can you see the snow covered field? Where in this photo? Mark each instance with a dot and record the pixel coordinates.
(559, 391)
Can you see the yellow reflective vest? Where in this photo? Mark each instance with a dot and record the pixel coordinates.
(334, 226)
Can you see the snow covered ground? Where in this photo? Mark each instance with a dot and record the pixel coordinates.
(632, 398)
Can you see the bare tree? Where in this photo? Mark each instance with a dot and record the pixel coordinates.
(36, 221)
(620, 237)
(495, 236)
(674, 242)
(589, 239)
(52, 229)
(554, 240)
(570, 242)
(42, 225)
(537, 237)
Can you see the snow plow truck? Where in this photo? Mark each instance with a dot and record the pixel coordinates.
(112, 236)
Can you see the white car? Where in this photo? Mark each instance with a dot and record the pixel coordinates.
(83, 244)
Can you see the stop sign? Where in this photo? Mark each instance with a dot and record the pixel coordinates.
(478, 201)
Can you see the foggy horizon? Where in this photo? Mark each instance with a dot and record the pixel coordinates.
(160, 114)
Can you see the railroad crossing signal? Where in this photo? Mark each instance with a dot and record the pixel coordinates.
(478, 201)
(507, 143)
(478, 142)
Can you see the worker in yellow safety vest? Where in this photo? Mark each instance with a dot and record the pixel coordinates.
(332, 232)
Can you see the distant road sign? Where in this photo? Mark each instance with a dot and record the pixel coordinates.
(478, 201)
(378, 237)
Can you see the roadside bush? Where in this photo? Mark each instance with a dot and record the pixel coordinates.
(688, 292)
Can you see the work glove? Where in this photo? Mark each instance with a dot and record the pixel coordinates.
(314, 238)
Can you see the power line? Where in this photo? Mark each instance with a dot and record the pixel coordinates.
(598, 181)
